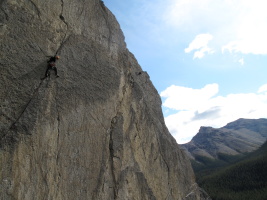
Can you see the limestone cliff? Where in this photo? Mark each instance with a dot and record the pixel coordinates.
(96, 132)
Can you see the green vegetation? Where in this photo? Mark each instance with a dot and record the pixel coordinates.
(202, 163)
(245, 178)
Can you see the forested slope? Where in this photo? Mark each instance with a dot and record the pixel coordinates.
(244, 180)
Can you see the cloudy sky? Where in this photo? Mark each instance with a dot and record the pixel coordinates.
(207, 59)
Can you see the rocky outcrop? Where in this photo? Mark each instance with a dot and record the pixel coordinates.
(238, 137)
(97, 131)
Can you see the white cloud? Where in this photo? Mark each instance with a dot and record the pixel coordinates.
(183, 98)
(263, 88)
(251, 28)
(200, 43)
(238, 26)
(241, 61)
(201, 107)
(185, 12)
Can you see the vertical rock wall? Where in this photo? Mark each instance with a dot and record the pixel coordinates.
(97, 131)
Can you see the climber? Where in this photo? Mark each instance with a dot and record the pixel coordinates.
(51, 66)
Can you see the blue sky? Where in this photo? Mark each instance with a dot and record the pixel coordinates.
(207, 59)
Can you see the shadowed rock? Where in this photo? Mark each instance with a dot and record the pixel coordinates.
(97, 131)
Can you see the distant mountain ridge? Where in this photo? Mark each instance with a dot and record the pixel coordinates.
(238, 137)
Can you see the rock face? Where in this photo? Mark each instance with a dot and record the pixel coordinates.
(240, 136)
(96, 132)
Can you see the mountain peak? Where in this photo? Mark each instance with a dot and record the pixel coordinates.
(240, 136)
(247, 123)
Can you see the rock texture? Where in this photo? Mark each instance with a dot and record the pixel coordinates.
(97, 132)
(240, 136)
